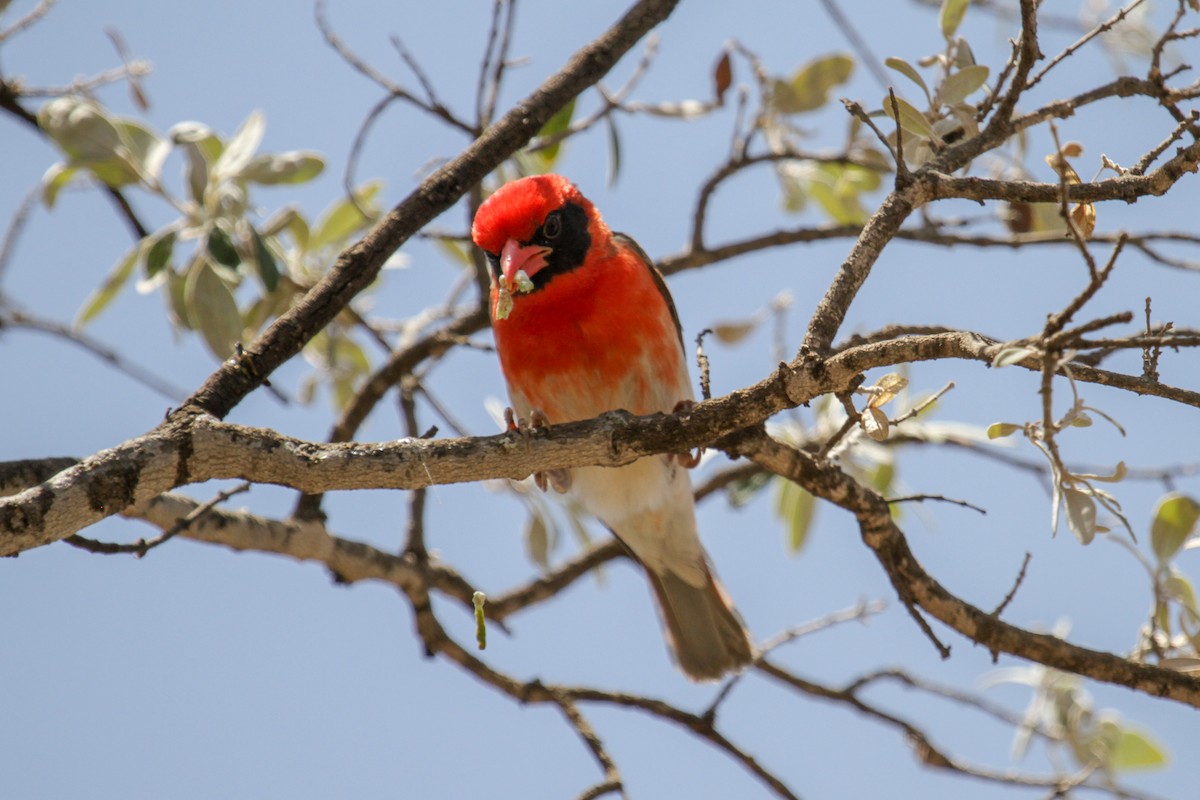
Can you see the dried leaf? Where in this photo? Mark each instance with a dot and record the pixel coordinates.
(875, 422)
(1063, 168)
(1084, 217)
(722, 77)
(733, 332)
(887, 388)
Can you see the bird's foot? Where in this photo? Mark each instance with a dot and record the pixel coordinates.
(560, 479)
(687, 460)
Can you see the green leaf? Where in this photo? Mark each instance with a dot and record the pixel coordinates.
(837, 189)
(795, 507)
(145, 150)
(213, 310)
(158, 254)
(349, 357)
(962, 84)
(557, 124)
(207, 142)
(952, 15)
(1081, 514)
(344, 217)
(117, 151)
(268, 269)
(81, 128)
(911, 120)
(963, 57)
(809, 88)
(57, 177)
(177, 300)
(221, 248)
(291, 220)
(1180, 589)
(241, 146)
(201, 147)
(1175, 519)
(343, 391)
(882, 477)
(910, 72)
(1134, 751)
(294, 167)
(99, 299)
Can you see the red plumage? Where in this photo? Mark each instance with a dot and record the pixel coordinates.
(584, 324)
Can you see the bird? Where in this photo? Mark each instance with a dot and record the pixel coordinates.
(583, 324)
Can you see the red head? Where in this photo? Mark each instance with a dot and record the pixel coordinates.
(534, 223)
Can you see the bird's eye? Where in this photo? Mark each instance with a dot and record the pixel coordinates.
(552, 227)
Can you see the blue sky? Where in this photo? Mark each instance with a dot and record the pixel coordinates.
(197, 672)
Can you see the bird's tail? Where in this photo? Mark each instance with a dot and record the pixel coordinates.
(702, 627)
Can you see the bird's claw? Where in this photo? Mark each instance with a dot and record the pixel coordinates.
(559, 479)
(688, 460)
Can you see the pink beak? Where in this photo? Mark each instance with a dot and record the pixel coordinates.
(514, 258)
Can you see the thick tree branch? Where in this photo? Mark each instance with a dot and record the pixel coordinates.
(195, 447)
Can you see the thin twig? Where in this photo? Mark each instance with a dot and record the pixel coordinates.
(865, 54)
(1087, 37)
(34, 15)
(920, 498)
(1152, 155)
(16, 225)
(1008, 598)
(13, 318)
(143, 546)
